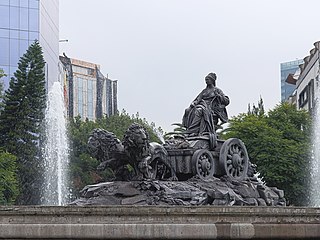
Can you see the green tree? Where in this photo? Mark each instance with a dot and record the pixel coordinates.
(257, 110)
(1, 89)
(8, 179)
(278, 143)
(178, 130)
(83, 166)
(21, 118)
(2, 74)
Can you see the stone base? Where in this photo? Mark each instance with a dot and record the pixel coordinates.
(194, 192)
(159, 222)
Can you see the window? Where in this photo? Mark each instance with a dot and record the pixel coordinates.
(4, 33)
(303, 97)
(24, 18)
(23, 46)
(24, 3)
(33, 36)
(4, 13)
(4, 2)
(80, 70)
(90, 99)
(80, 93)
(90, 111)
(14, 52)
(90, 71)
(4, 51)
(90, 86)
(33, 19)
(14, 3)
(311, 94)
(14, 34)
(24, 35)
(34, 4)
(14, 17)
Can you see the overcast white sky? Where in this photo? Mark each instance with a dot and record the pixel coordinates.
(161, 50)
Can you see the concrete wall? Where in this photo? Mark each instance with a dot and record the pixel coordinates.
(156, 222)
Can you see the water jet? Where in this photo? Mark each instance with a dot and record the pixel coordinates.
(56, 150)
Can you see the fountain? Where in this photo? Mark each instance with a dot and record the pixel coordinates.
(315, 161)
(172, 185)
(56, 150)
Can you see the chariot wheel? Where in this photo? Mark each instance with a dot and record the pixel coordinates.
(234, 159)
(202, 164)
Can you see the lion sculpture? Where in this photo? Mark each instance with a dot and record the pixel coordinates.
(148, 160)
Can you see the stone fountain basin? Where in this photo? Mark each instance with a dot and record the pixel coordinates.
(158, 222)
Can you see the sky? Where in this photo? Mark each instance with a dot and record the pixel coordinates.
(161, 50)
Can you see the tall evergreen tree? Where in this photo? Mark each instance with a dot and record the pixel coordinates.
(8, 178)
(21, 119)
(1, 89)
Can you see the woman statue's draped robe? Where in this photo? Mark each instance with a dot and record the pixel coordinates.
(205, 111)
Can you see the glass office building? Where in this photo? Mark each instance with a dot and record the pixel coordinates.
(23, 21)
(287, 68)
(88, 92)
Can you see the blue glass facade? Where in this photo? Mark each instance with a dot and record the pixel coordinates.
(80, 95)
(85, 99)
(90, 100)
(21, 22)
(286, 69)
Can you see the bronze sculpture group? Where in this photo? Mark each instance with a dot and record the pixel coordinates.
(194, 167)
(196, 152)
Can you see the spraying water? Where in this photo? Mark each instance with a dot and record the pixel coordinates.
(315, 162)
(159, 135)
(56, 150)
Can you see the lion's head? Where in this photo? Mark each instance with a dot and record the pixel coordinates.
(136, 140)
(103, 144)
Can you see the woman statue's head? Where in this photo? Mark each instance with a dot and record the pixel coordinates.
(211, 78)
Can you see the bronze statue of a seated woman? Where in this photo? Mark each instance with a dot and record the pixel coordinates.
(205, 111)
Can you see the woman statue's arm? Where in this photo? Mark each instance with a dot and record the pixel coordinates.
(223, 98)
(197, 100)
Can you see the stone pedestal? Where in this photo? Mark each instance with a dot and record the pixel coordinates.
(159, 222)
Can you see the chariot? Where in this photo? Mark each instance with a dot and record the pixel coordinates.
(206, 156)
(181, 157)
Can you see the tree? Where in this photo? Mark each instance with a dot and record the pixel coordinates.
(2, 74)
(8, 179)
(278, 143)
(1, 89)
(21, 118)
(257, 110)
